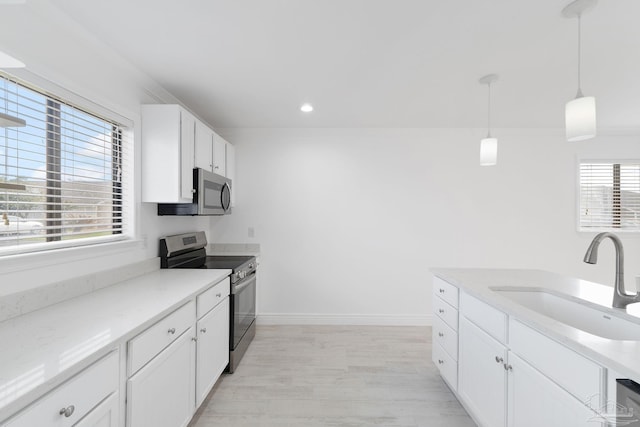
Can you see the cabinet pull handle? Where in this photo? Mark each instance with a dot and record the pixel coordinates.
(440, 334)
(172, 331)
(194, 338)
(203, 330)
(218, 295)
(441, 311)
(499, 359)
(440, 361)
(441, 291)
(68, 411)
(508, 367)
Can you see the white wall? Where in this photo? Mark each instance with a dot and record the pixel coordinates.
(350, 220)
(58, 50)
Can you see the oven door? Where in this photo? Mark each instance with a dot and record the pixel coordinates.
(243, 314)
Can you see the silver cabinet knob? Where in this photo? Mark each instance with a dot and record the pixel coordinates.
(218, 295)
(441, 311)
(194, 339)
(440, 361)
(203, 330)
(440, 334)
(172, 331)
(216, 167)
(441, 291)
(193, 191)
(499, 359)
(68, 411)
(508, 367)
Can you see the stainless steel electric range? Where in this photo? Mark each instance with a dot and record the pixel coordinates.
(188, 251)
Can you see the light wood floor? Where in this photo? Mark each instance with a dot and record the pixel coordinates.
(312, 376)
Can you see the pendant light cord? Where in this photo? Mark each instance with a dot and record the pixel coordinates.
(489, 111)
(579, 94)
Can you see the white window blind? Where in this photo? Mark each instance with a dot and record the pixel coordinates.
(61, 174)
(609, 196)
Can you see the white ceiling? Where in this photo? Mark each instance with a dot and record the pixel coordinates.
(377, 63)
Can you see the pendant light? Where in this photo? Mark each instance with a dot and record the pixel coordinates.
(580, 113)
(488, 145)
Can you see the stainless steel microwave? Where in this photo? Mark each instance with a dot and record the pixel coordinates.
(211, 196)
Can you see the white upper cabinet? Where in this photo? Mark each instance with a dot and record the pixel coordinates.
(219, 155)
(203, 147)
(173, 143)
(168, 133)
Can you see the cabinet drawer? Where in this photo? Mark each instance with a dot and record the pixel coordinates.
(570, 370)
(145, 346)
(491, 320)
(446, 337)
(446, 291)
(445, 312)
(79, 396)
(446, 365)
(212, 297)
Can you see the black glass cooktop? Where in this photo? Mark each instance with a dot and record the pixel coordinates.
(224, 261)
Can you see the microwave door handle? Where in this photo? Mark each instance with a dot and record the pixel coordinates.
(225, 196)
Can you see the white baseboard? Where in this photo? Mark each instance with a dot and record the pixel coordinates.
(343, 319)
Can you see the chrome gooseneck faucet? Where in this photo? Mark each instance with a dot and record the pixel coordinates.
(620, 298)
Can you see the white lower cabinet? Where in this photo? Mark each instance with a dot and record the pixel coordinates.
(161, 394)
(213, 349)
(78, 401)
(482, 377)
(536, 401)
(106, 414)
(529, 381)
(174, 363)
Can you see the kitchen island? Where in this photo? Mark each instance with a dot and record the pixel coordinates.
(485, 339)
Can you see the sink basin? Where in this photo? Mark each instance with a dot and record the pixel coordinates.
(573, 312)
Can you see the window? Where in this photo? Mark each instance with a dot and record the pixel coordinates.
(61, 174)
(609, 196)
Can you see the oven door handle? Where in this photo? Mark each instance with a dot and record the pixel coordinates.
(239, 288)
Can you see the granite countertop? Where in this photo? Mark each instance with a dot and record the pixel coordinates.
(44, 348)
(622, 356)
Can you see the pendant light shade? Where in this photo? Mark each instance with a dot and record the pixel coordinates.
(488, 145)
(580, 113)
(580, 118)
(488, 152)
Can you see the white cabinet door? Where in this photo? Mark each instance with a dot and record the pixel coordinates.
(69, 403)
(535, 400)
(106, 414)
(187, 147)
(203, 147)
(219, 155)
(482, 378)
(162, 394)
(213, 349)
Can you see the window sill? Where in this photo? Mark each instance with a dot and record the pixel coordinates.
(44, 258)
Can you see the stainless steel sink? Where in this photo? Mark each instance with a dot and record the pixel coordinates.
(574, 312)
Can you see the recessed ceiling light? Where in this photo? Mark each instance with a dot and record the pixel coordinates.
(306, 108)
